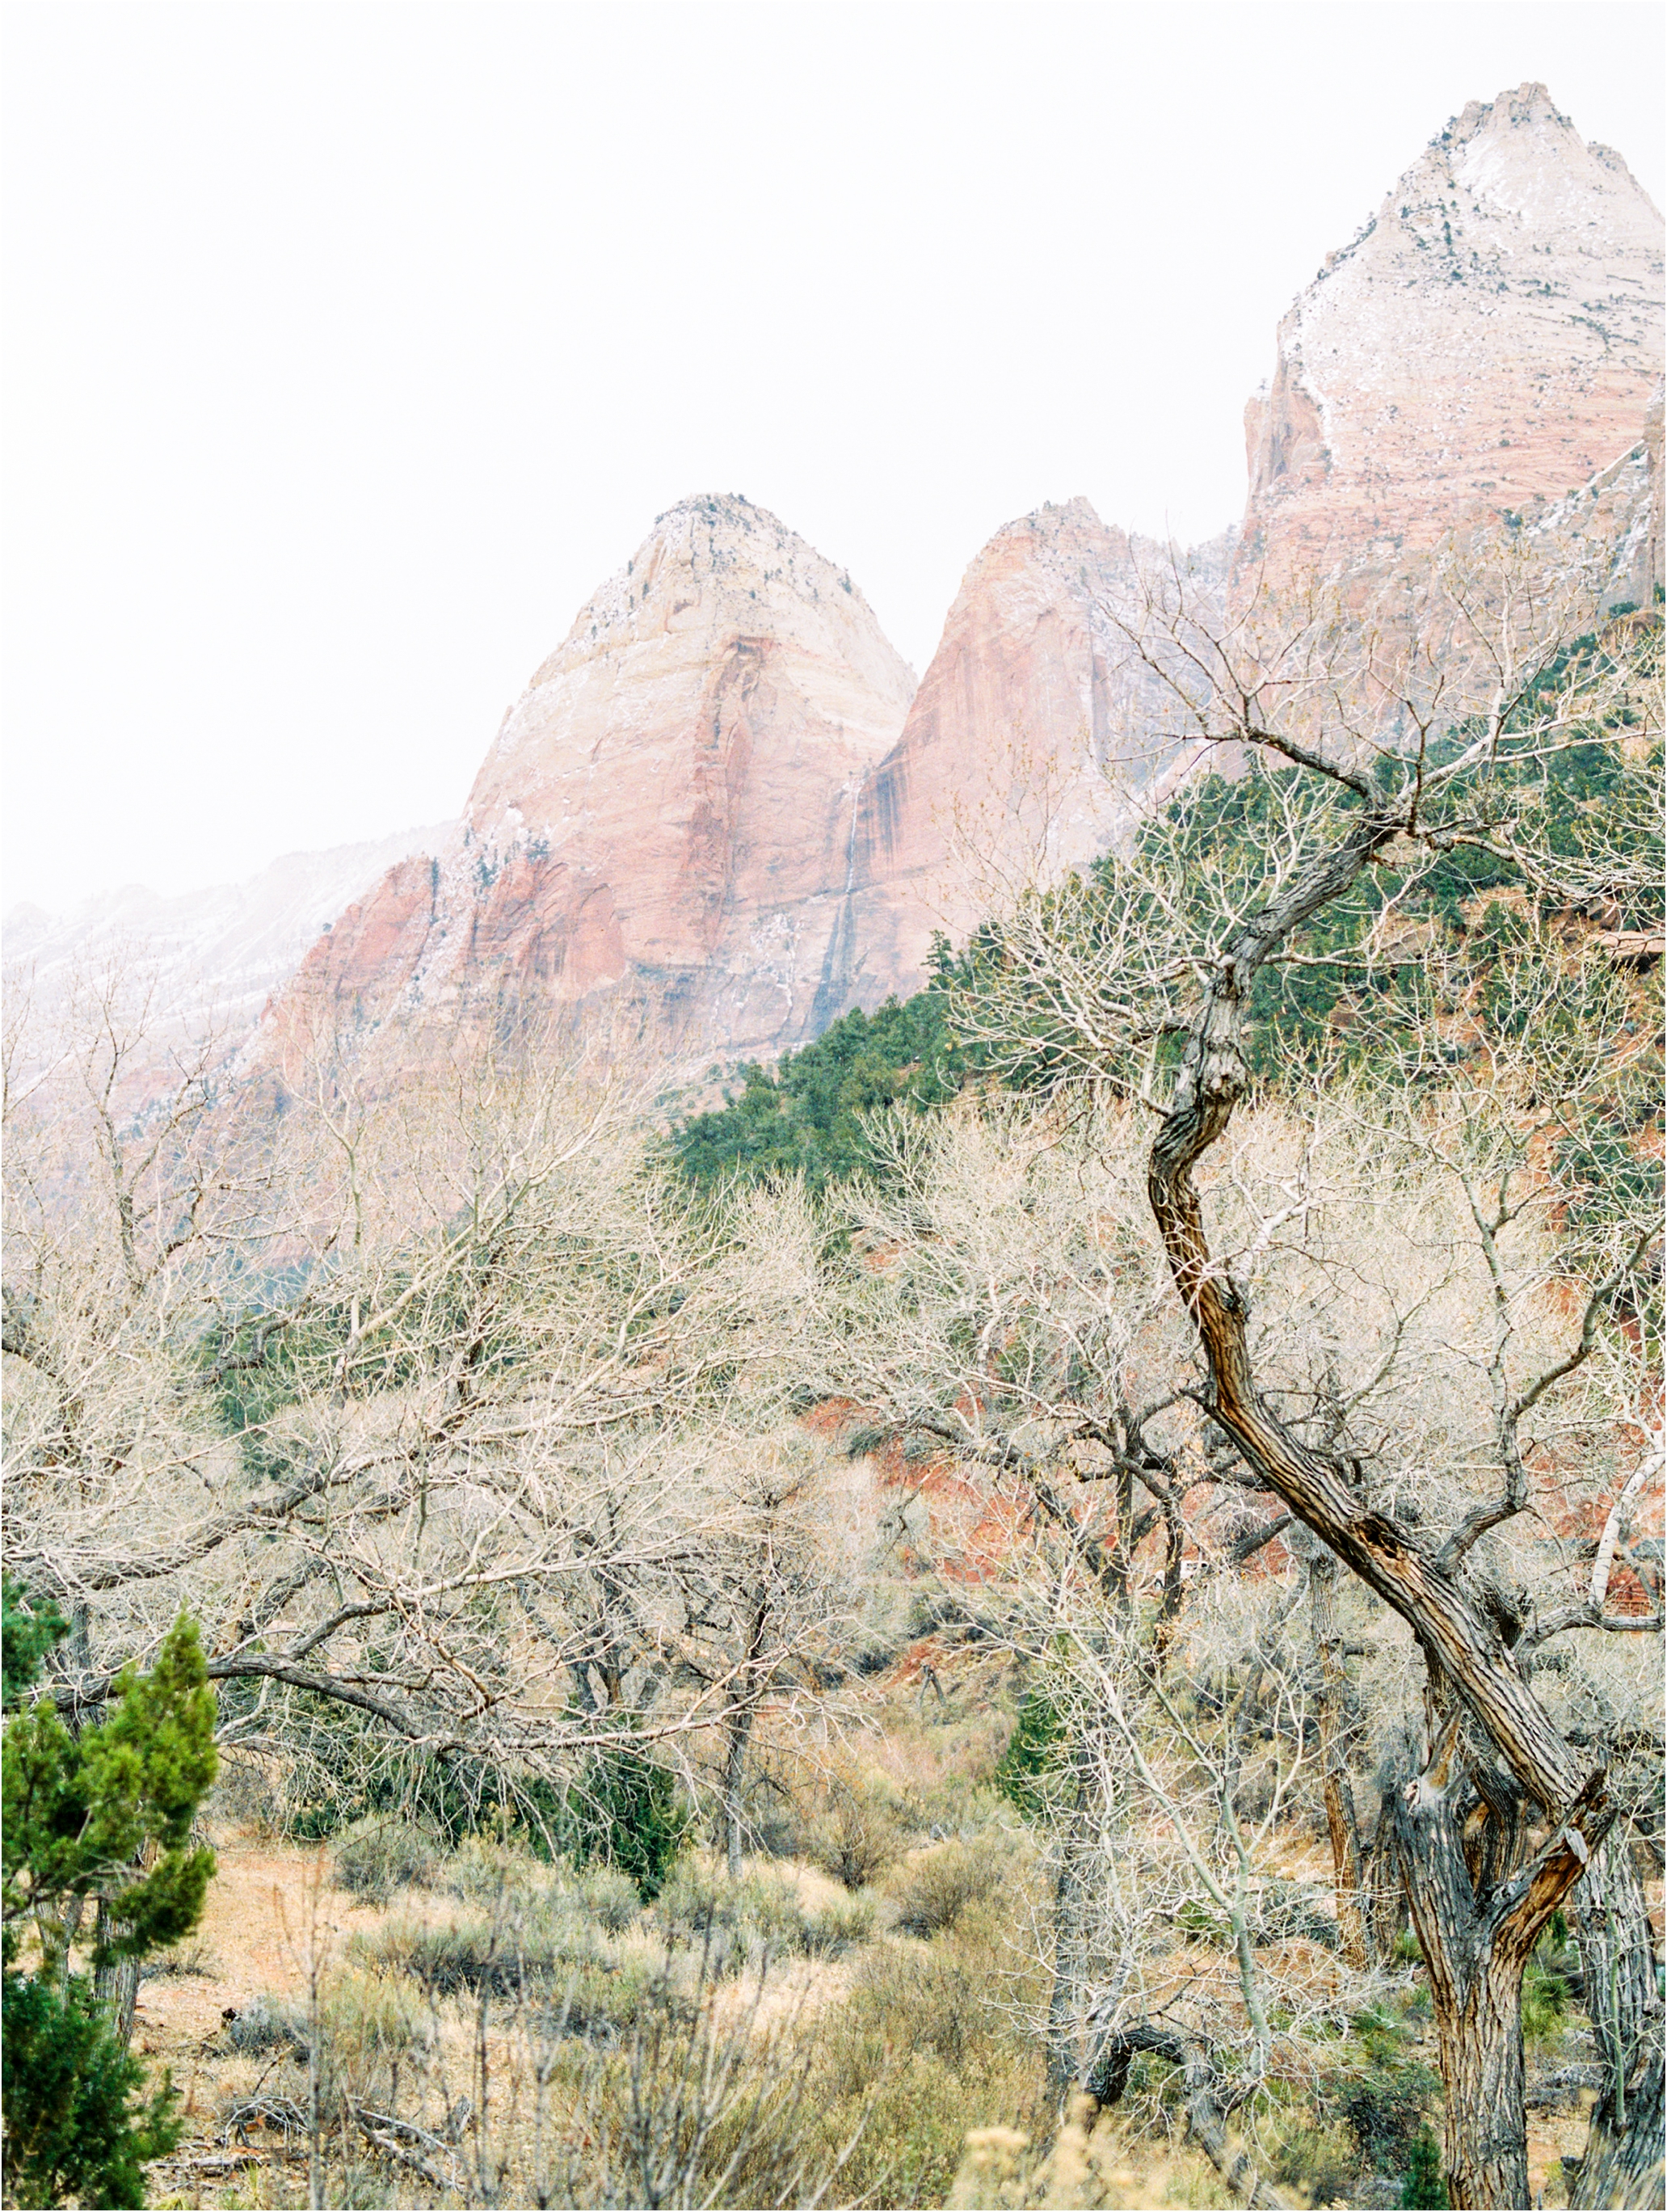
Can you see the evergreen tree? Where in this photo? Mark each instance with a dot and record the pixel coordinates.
(628, 1815)
(1424, 2184)
(1033, 1752)
(82, 1813)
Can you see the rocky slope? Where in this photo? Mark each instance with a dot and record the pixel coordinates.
(716, 797)
(669, 808)
(1032, 737)
(1487, 343)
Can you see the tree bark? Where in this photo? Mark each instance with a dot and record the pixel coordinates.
(116, 1981)
(1622, 2165)
(735, 1768)
(1476, 1940)
(747, 1687)
(1068, 1916)
(1485, 2148)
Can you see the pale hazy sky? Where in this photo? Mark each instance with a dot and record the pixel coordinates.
(349, 347)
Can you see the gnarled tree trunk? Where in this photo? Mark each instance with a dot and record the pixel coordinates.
(1477, 1924)
(1624, 2163)
(1483, 1944)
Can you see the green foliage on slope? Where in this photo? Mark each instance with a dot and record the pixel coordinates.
(1035, 1754)
(1467, 931)
(805, 1116)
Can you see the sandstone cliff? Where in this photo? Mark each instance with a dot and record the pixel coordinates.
(669, 808)
(1031, 738)
(1486, 345)
(716, 797)
(208, 959)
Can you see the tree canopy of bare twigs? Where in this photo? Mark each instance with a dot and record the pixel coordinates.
(435, 1401)
(1410, 1227)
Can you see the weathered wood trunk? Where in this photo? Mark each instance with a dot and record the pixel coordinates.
(734, 1770)
(749, 1681)
(116, 1982)
(1477, 1924)
(1622, 2165)
(1485, 2136)
(1069, 1921)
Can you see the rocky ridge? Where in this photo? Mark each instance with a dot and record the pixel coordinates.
(215, 955)
(1033, 738)
(669, 808)
(1487, 345)
(722, 800)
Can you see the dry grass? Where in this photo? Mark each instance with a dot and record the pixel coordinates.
(534, 2030)
(932, 1889)
(562, 2018)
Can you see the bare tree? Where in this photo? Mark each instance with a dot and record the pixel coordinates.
(1396, 734)
(430, 1400)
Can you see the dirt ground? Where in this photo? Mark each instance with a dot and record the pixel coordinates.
(269, 1910)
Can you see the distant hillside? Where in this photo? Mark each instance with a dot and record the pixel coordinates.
(217, 954)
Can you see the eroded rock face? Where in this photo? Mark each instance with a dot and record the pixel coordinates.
(670, 806)
(710, 796)
(1486, 346)
(1030, 739)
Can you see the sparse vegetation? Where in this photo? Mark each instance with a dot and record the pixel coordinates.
(918, 1642)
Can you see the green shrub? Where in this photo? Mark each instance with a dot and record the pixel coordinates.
(1034, 1758)
(82, 1814)
(1386, 2103)
(1425, 2185)
(77, 1808)
(27, 1634)
(501, 1952)
(1550, 1984)
(734, 1921)
(76, 2126)
(625, 1812)
(857, 1832)
(808, 1115)
(342, 1771)
(1316, 2162)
